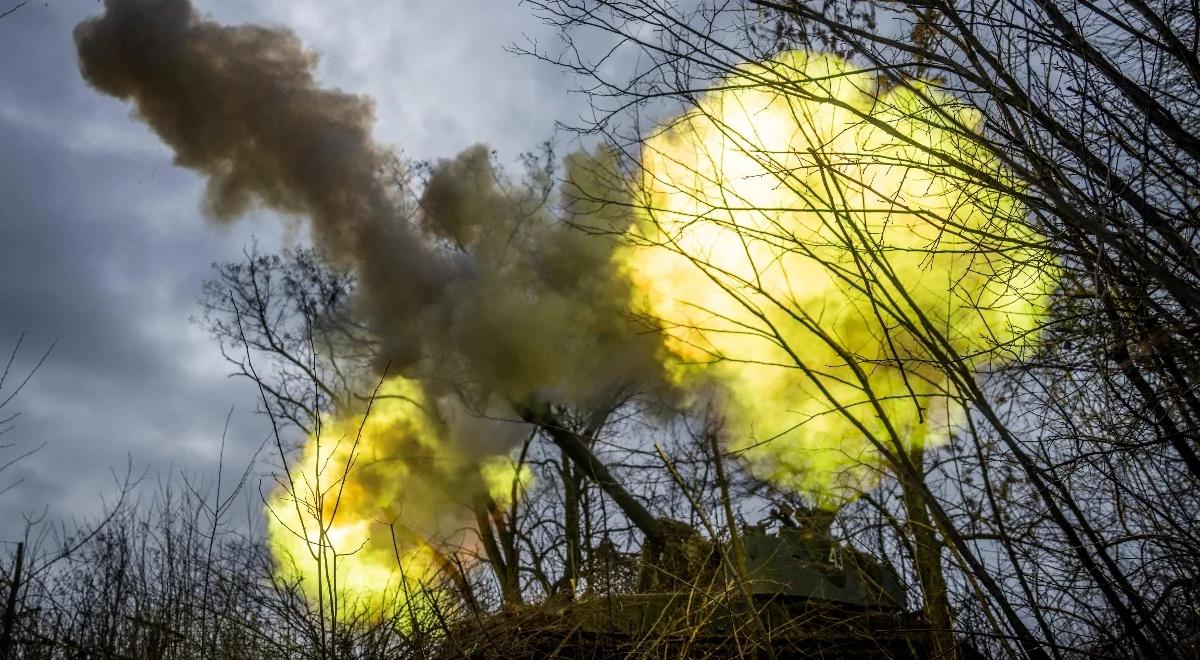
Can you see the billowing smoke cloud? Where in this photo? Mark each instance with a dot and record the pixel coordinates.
(487, 286)
(816, 245)
(391, 491)
(544, 312)
(239, 104)
(485, 299)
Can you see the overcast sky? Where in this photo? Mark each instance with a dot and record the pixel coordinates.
(103, 248)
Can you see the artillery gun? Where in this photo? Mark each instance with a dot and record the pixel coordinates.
(804, 595)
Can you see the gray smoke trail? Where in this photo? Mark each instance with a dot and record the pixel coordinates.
(492, 291)
(239, 104)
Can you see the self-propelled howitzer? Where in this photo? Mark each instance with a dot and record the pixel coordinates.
(805, 595)
(802, 560)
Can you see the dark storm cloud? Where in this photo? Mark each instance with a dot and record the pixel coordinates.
(118, 381)
(83, 261)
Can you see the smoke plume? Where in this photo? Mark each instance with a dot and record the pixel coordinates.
(485, 301)
(486, 281)
(826, 251)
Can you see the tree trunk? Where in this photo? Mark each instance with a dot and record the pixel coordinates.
(571, 503)
(7, 645)
(492, 532)
(927, 558)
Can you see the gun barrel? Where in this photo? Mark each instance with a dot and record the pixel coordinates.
(593, 468)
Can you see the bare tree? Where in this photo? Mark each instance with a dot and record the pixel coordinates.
(8, 417)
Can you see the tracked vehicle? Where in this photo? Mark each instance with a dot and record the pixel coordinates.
(804, 596)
